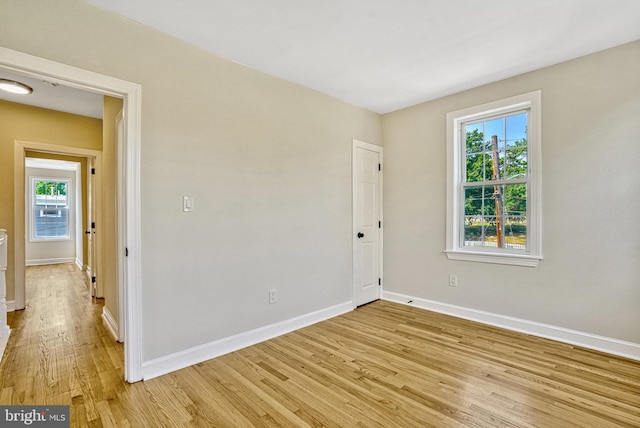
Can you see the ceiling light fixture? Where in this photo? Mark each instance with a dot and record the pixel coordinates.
(15, 87)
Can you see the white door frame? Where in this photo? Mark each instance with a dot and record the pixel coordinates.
(20, 195)
(362, 145)
(76, 190)
(92, 200)
(131, 94)
(121, 224)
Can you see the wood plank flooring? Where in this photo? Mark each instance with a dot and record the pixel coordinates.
(382, 365)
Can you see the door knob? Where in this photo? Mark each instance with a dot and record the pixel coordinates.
(360, 235)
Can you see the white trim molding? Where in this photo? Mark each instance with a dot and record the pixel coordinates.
(4, 326)
(131, 93)
(19, 165)
(5, 331)
(573, 337)
(197, 354)
(40, 262)
(110, 324)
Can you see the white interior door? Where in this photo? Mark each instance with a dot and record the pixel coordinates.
(367, 222)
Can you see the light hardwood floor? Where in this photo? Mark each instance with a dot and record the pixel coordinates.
(382, 365)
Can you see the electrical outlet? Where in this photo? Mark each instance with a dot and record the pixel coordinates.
(453, 280)
(273, 297)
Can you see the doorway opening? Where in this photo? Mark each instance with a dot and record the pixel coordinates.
(128, 174)
(64, 233)
(56, 210)
(367, 223)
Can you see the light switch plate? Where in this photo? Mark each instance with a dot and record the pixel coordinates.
(187, 204)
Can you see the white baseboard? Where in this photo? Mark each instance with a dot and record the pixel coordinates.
(207, 351)
(11, 305)
(79, 264)
(39, 262)
(110, 324)
(587, 340)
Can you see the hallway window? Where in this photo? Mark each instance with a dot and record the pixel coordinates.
(50, 212)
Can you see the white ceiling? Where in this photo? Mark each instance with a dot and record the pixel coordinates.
(55, 97)
(382, 55)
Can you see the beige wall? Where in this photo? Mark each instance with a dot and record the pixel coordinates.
(267, 162)
(25, 123)
(590, 276)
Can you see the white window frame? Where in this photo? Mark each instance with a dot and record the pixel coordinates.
(69, 202)
(456, 140)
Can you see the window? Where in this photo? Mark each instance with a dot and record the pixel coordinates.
(493, 182)
(50, 209)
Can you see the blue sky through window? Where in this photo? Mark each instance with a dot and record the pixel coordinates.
(510, 128)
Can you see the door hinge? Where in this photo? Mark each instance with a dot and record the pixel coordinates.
(93, 171)
(379, 225)
(93, 279)
(126, 252)
(379, 281)
(93, 225)
(379, 167)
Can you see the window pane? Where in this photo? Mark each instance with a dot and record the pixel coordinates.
(496, 149)
(494, 127)
(479, 228)
(479, 201)
(516, 128)
(478, 167)
(496, 216)
(517, 165)
(479, 232)
(475, 137)
(476, 156)
(51, 211)
(51, 223)
(515, 216)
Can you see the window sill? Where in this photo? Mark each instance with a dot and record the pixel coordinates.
(503, 259)
(53, 239)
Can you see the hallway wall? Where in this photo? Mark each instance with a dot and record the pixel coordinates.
(26, 123)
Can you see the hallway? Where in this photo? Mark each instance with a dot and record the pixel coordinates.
(59, 352)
